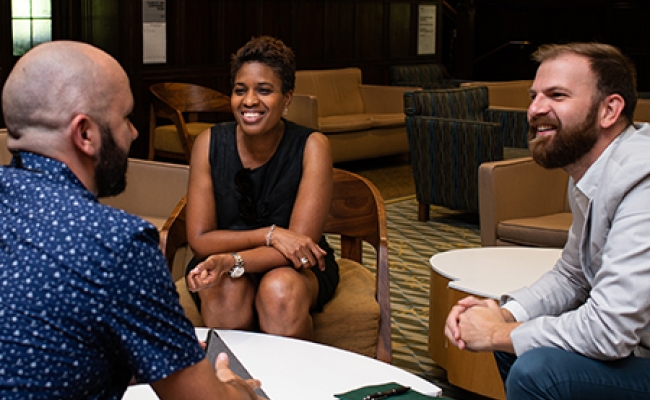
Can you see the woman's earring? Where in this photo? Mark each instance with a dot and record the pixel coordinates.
(285, 111)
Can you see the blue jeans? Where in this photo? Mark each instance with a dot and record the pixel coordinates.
(551, 373)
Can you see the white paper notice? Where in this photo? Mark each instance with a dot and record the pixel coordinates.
(427, 29)
(155, 42)
(154, 31)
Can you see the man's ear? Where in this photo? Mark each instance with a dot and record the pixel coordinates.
(85, 135)
(612, 108)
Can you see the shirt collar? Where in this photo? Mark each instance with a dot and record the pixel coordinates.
(52, 169)
(588, 184)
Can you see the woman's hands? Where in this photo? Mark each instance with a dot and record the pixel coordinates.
(301, 250)
(206, 274)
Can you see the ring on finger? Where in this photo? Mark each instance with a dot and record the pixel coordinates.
(304, 260)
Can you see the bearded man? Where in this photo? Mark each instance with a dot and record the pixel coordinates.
(582, 331)
(86, 300)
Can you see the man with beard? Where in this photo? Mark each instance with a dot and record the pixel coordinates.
(86, 300)
(582, 331)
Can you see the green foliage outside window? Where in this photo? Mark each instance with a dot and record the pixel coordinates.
(31, 23)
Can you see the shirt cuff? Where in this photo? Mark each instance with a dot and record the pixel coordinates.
(517, 311)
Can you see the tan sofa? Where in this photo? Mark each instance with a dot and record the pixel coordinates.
(515, 94)
(523, 204)
(361, 121)
(506, 94)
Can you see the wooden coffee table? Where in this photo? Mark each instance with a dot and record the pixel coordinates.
(485, 272)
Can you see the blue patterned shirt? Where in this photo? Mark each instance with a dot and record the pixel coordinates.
(86, 300)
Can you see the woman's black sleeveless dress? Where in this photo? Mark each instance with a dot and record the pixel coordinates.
(250, 199)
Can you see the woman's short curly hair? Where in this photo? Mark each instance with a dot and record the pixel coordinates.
(268, 51)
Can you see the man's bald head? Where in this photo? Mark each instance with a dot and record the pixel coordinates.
(56, 81)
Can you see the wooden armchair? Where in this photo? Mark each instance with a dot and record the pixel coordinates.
(171, 101)
(358, 317)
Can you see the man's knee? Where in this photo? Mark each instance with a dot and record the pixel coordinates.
(533, 371)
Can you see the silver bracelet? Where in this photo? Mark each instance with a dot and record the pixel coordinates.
(269, 235)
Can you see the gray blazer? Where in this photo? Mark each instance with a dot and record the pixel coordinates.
(596, 300)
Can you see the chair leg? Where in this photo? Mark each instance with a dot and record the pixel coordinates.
(423, 212)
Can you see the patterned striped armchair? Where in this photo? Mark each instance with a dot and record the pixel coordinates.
(451, 132)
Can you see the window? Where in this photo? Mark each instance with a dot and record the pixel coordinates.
(31, 23)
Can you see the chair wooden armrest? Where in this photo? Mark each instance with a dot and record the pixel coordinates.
(518, 188)
(173, 234)
(304, 110)
(358, 214)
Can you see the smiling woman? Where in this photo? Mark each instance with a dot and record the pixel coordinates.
(259, 193)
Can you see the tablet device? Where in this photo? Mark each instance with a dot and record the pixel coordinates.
(216, 345)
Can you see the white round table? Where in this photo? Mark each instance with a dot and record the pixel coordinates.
(296, 369)
(486, 272)
(492, 271)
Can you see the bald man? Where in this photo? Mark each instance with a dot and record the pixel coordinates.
(86, 300)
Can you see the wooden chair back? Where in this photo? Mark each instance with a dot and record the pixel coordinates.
(181, 104)
(357, 213)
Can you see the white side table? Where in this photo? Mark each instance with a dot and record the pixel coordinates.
(485, 272)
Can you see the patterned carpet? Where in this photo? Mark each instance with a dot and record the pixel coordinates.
(411, 244)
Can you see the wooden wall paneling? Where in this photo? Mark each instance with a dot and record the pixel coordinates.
(6, 47)
(103, 22)
(369, 29)
(371, 35)
(200, 38)
(339, 34)
(400, 31)
(276, 20)
(309, 33)
(242, 22)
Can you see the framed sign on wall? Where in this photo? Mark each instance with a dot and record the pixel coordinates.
(154, 32)
(427, 28)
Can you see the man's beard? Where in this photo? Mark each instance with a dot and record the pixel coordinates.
(110, 172)
(568, 144)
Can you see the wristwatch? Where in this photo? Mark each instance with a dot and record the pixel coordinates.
(238, 270)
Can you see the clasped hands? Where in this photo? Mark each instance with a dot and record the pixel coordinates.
(479, 325)
(300, 250)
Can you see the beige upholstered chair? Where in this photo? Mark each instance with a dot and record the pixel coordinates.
(152, 190)
(5, 155)
(171, 101)
(523, 204)
(358, 317)
(642, 111)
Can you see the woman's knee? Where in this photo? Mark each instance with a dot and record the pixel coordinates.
(282, 290)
